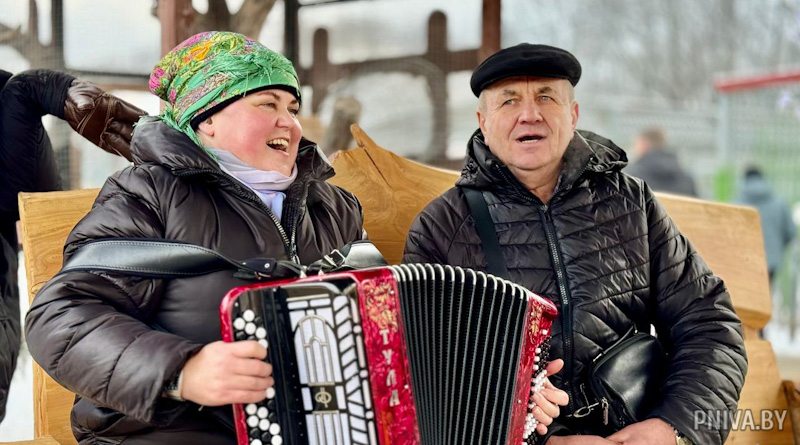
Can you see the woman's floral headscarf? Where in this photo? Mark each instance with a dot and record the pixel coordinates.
(212, 68)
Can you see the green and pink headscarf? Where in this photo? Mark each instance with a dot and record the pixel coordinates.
(212, 69)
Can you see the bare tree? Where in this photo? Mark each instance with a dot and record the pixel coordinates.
(248, 20)
(27, 43)
(673, 49)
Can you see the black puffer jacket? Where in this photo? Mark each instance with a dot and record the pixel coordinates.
(27, 163)
(93, 332)
(622, 262)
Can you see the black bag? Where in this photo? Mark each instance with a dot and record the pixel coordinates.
(626, 379)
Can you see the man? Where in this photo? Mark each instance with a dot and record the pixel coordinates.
(658, 166)
(575, 229)
(776, 217)
(27, 164)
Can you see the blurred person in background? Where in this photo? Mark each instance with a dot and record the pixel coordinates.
(776, 216)
(658, 166)
(27, 164)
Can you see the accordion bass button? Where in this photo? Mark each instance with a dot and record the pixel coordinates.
(262, 412)
(256, 442)
(264, 425)
(270, 393)
(239, 323)
(249, 315)
(261, 333)
(277, 440)
(274, 429)
(252, 421)
(251, 408)
(264, 343)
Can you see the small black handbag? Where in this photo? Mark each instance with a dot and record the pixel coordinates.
(626, 378)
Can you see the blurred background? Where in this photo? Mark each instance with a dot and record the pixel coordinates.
(718, 79)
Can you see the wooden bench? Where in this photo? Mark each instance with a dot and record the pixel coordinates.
(393, 190)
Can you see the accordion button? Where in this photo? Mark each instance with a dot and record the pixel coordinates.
(249, 315)
(252, 421)
(264, 425)
(263, 343)
(250, 328)
(275, 429)
(255, 442)
(239, 323)
(250, 409)
(240, 335)
(261, 333)
(277, 440)
(266, 437)
(270, 393)
(262, 412)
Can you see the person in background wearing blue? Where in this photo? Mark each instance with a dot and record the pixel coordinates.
(27, 164)
(776, 217)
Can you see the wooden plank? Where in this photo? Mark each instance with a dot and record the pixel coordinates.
(392, 189)
(47, 219)
(763, 391)
(729, 239)
(39, 441)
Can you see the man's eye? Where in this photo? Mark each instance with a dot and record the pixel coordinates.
(545, 98)
(510, 102)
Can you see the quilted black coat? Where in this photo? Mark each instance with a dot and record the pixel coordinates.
(27, 163)
(95, 332)
(606, 253)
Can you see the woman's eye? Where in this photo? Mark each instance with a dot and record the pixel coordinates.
(294, 111)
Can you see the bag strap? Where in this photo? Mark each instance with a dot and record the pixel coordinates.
(496, 264)
(165, 259)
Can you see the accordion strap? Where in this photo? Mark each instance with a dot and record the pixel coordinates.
(496, 264)
(165, 259)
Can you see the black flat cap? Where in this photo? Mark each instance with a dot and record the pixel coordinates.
(526, 59)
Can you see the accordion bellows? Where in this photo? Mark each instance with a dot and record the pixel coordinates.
(398, 355)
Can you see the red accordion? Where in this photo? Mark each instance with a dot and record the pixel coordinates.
(397, 355)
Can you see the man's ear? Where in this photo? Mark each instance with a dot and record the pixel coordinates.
(575, 113)
(481, 121)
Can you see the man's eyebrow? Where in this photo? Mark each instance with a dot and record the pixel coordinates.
(509, 92)
(545, 89)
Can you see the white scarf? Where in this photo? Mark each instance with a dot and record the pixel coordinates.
(268, 185)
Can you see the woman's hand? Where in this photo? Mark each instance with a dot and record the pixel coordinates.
(224, 373)
(548, 399)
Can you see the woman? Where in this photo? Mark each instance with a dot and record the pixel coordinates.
(224, 166)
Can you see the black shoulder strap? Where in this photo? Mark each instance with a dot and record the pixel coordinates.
(496, 264)
(165, 259)
(168, 259)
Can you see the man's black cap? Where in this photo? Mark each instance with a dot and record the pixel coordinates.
(526, 59)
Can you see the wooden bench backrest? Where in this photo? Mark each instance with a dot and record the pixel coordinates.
(393, 190)
(47, 219)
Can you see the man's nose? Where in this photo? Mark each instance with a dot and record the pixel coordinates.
(530, 112)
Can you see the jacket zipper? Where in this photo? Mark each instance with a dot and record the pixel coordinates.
(558, 265)
(566, 307)
(288, 244)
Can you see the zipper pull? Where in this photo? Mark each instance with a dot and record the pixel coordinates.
(604, 405)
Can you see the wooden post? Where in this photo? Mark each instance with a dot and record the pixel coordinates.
(175, 17)
(291, 47)
(490, 36)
